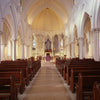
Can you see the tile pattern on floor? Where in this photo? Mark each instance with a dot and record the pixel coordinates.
(47, 85)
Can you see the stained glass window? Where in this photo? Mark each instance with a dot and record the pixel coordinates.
(33, 44)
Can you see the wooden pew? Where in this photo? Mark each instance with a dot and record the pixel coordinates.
(84, 88)
(60, 63)
(84, 71)
(85, 62)
(19, 79)
(17, 68)
(32, 65)
(65, 68)
(24, 63)
(96, 91)
(15, 63)
(87, 67)
(29, 69)
(68, 64)
(7, 88)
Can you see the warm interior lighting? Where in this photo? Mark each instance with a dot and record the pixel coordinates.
(9, 48)
(29, 20)
(47, 20)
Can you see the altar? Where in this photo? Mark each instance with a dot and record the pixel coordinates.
(48, 50)
(48, 58)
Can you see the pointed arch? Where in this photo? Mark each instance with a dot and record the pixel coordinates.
(10, 16)
(86, 33)
(0, 12)
(18, 44)
(56, 44)
(11, 10)
(20, 32)
(98, 18)
(76, 43)
(6, 40)
(85, 17)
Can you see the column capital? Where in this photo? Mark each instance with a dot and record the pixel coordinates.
(80, 38)
(72, 42)
(14, 39)
(22, 43)
(27, 45)
(4, 44)
(1, 19)
(1, 25)
(95, 30)
(1, 32)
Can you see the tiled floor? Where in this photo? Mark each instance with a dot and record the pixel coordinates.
(47, 85)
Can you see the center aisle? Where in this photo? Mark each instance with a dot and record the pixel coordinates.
(47, 85)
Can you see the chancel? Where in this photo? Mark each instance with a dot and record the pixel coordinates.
(49, 49)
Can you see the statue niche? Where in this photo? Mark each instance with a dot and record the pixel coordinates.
(47, 45)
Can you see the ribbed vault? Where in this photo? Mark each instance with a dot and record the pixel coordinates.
(47, 20)
(37, 6)
(47, 15)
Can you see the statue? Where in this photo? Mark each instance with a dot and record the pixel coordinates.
(48, 45)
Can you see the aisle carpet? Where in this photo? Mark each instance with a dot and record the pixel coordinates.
(47, 85)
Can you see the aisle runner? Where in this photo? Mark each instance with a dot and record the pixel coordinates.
(47, 85)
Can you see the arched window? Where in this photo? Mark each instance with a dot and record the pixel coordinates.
(56, 44)
(33, 44)
(61, 43)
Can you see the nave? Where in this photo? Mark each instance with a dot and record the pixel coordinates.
(64, 31)
(47, 85)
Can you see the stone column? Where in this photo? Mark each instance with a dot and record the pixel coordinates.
(96, 44)
(14, 49)
(0, 45)
(44, 48)
(91, 44)
(28, 51)
(73, 49)
(68, 51)
(92, 40)
(69, 47)
(52, 47)
(1, 25)
(1, 32)
(30, 54)
(81, 48)
(22, 51)
(25, 51)
(3, 52)
(59, 39)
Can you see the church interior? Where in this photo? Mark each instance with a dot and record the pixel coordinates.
(49, 49)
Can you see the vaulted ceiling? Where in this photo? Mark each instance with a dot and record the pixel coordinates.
(55, 13)
(47, 20)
